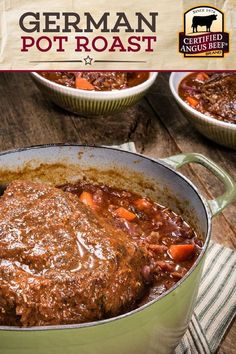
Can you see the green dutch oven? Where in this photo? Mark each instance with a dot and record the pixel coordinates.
(156, 327)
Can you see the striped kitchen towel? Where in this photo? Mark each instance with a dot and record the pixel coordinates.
(216, 303)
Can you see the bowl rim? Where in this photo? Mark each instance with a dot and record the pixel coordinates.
(193, 111)
(99, 94)
(207, 213)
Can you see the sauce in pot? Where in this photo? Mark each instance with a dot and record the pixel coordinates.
(171, 244)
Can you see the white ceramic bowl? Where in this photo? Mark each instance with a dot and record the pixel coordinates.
(221, 132)
(92, 103)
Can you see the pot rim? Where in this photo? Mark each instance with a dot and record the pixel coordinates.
(160, 297)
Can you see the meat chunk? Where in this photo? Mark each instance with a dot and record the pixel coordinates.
(219, 92)
(61, 263)
(102, 81)
(106, 81)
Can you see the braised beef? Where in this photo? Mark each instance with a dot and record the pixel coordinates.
(106, 81)
(213, 94)
(59, 262)
(98, 81)
(220, 93)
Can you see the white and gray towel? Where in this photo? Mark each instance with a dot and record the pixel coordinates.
(216, 303)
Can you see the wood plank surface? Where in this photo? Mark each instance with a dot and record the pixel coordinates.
(156, 125)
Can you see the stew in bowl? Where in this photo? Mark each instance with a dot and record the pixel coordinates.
(213, 94)
(96, 81)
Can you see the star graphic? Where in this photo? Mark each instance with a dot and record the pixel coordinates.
(88, 60)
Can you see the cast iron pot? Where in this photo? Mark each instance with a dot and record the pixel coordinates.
(158, 326)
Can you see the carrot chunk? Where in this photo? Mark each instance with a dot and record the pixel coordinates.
(125, 214)
(142, 203)
(202, 76)
(87, 199)
(83, 84)
(192, 101)
(181, 253)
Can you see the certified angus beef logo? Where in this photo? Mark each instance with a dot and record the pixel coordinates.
(204, 34)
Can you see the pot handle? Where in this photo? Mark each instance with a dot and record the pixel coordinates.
(218, 204)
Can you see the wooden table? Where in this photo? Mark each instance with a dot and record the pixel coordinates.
(156, 125)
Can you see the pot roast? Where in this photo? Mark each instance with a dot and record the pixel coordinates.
(96, 80)
(61, 263)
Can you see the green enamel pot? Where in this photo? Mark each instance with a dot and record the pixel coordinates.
(92, 103)
(158, 326)
(223, 133)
